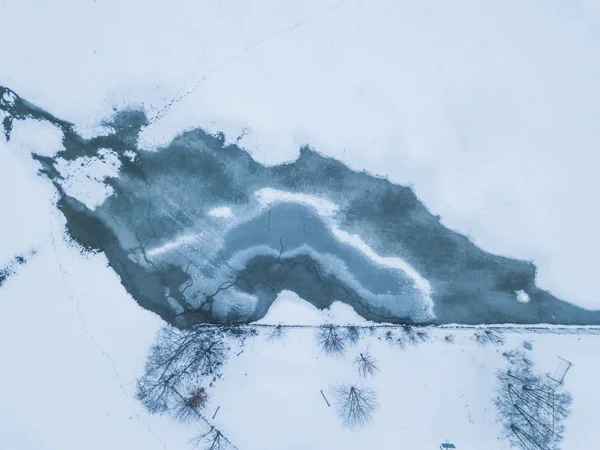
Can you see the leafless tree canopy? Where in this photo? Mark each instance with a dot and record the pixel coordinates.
(485, 337)
(355, 405)
(211, 440)
(353, 334)
(179, 363)
(277, 333)
(331, 339)
(415, 335)
(240, 332)
(366, 365)
(530, 408)
(188, 406)
(406, 335)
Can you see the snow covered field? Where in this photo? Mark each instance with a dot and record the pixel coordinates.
(428, 394)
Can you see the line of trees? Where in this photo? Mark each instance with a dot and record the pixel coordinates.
(366, 365)
(530, 407)
(183, 364)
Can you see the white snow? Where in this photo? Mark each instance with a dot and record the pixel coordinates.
(8, 98)
(222, 212)
(33, 136)
(130, 154)
(269, 196)
(522, 296)
(181, 241)
(270, 397)
(84, 177)
(289, 308)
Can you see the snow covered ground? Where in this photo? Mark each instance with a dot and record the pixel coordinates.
(489, 110)
(428, 394)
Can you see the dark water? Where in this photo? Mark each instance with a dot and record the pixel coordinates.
(164, 195)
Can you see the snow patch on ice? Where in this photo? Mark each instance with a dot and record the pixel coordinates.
(36, 136)
(130, 154)
(522, 296)
(8, 99)
(182, 241)
(343, 314)
(290, 309)
(83, 178)
(269, 196)
(222, 212)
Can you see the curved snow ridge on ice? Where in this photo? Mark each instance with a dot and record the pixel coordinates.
(328, 210)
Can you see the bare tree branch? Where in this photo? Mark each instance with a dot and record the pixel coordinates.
(277, 333)
(353, 334)
(331, 339)
(355, 405)
(213, 439)
(366, 365)
(485, 337)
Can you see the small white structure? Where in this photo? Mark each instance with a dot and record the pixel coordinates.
(561, 371)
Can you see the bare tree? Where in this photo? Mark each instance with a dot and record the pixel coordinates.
(485, 337)
(240, 332)
(530, 408)
(189, 406)
(178, 366)
(415, 335)
(365, 364)
(331, 339)
(277, 333)
(389, 336)
(407, 334)
(355, 405)
(178, 362)
(353, 334)
(449, 339)
(213, 439)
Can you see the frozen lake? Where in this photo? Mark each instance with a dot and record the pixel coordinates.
(200, 231)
